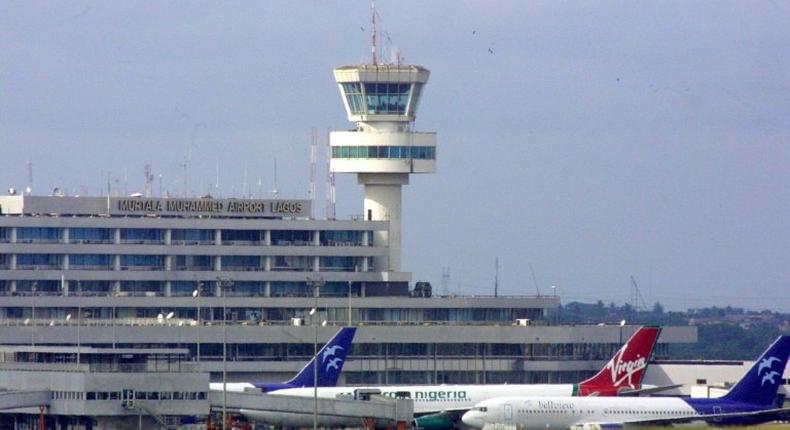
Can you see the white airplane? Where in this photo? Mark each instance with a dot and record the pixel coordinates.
(439, 407)
(751, 401)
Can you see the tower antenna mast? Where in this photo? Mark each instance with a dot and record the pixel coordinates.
(373, 30)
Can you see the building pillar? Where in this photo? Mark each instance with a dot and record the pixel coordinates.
(117, 236)
(12, 288)
(12, 263)
(267, 238)
(13, 235)
(267, 289)
(168, 289)
(267, 263)
(66, 235)
(168, 236)
(316, 264)
(217, 237)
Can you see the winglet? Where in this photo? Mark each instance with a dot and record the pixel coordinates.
(626, 369)
(760, 383)
(330, 361)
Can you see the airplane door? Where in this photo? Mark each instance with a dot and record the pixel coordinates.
(508, 412)
(717, 409)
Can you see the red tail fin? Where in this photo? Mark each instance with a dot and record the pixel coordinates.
(625, 370)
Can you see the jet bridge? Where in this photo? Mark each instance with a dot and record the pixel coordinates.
(23, 399)
(298, 411)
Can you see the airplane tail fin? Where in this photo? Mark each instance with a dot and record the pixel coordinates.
(625, 370)
(330, 360)
(760, 383)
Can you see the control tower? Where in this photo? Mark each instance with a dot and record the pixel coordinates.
(383, 150)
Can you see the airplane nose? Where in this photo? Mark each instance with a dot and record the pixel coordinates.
(472, 419)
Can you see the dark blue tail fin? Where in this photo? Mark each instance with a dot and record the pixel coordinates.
(330, 361)
(761, 382)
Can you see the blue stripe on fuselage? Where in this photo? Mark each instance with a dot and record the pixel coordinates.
(720, 406)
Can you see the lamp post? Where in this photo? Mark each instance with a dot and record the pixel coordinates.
(622, 324)
(33, 291)
(224, 285)
(196, 294)
(557, 313)
(68, 319)
(316, 284)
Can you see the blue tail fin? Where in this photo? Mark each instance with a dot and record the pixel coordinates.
(330, 361)
(761, 382)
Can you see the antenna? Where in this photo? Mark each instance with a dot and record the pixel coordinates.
(149, 180)
(496, 277)
(635, 296)
(275, 191)
(330, 179)
(29, 189)
(188, 156)
(313, 150)
(216, 179)
(244, 189)
(534, 279)
(445, 281)
(373, 30)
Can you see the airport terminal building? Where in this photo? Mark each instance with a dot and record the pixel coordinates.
(198, 273)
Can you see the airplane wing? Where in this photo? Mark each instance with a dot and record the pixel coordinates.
(649, 390)
(743, 418)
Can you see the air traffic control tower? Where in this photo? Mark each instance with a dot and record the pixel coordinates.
(383, 150)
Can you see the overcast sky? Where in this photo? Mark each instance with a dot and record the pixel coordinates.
(590, 140)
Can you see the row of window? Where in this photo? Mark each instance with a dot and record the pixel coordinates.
(385, 152)
(139, 395)
(186, 236)
(183, 262)
(330, 289)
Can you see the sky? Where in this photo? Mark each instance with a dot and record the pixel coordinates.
(584, 142)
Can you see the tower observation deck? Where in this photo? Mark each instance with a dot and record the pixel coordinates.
(383, 150)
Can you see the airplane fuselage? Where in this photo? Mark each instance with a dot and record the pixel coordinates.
(436, 398)
(541, 413)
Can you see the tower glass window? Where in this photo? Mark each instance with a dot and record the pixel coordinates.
(386, 98)
(392, 152)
